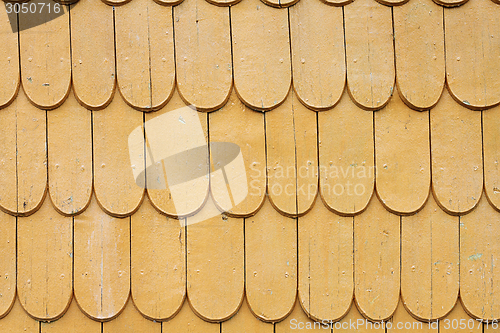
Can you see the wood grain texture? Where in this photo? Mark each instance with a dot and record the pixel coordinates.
(223, 2)
(366, 326)
(377, 261)
(430, 262)
(479, 251)
(419, 46)
(346, 157)
(9, 60)
(280, 3)
(318, 54)
(45, 60)
(261, 59)
(203, 53)
(245, 322)
(337, 3)
(187, 322)
(45, 262)
(158, 263)
(70, 156)
(291, 157)
(458, 321)
(113, 170)
(192, 195)
(93, 53)
(101, 263)
(326, 263)
(402, 321)
(394, 3)
(271, 263)
(473, 53)
(115, 2)
(298, 320)
(370, 53)
(246, 131)
(19, 321)
(8, 263)
(145, 66)
(306, 155)
(74, 321)
(131, 321)
(491, 157)
(8, 159)
(31, 155)
(457, 165)
(215, 270)
(403, 173)
(450, 3)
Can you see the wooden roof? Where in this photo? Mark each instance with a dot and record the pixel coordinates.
(370, 131)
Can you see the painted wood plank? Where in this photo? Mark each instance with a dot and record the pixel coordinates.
(281, 158)
(280, 3)
(45, 262)
(261, 60)
(491, 155)
(271, 263)
(145, 66)
(131, 321)
(479, 253)
(187, 322)
(101, 262)
(19, 321)
(473, 72)
(74, 321)
(245, 322)
(458, 321)
(8, 160)
(419, 46)
(115, 2)
(457, 165)
(318, 54)
(394, 3)
(369, 49)
(215, 272)
(354, 322)
(246, 131)
(189, 198)
(450, 3)
(70, 156)
(337, 3)
(9, 60)
(223, 2)
(346, 157)
(402, 321)
(306, 154)
(377, 261)
(31, 155)
(168, 2)
(291, 141)
(430, 262)
(299, 321)
(326, 263)
(93, 53)
(403, 173)
(158, 263)
(8, 263)
(203, 53)
(45, 59)
(113, 170)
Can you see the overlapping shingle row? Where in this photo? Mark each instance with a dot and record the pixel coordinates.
(383, 207)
